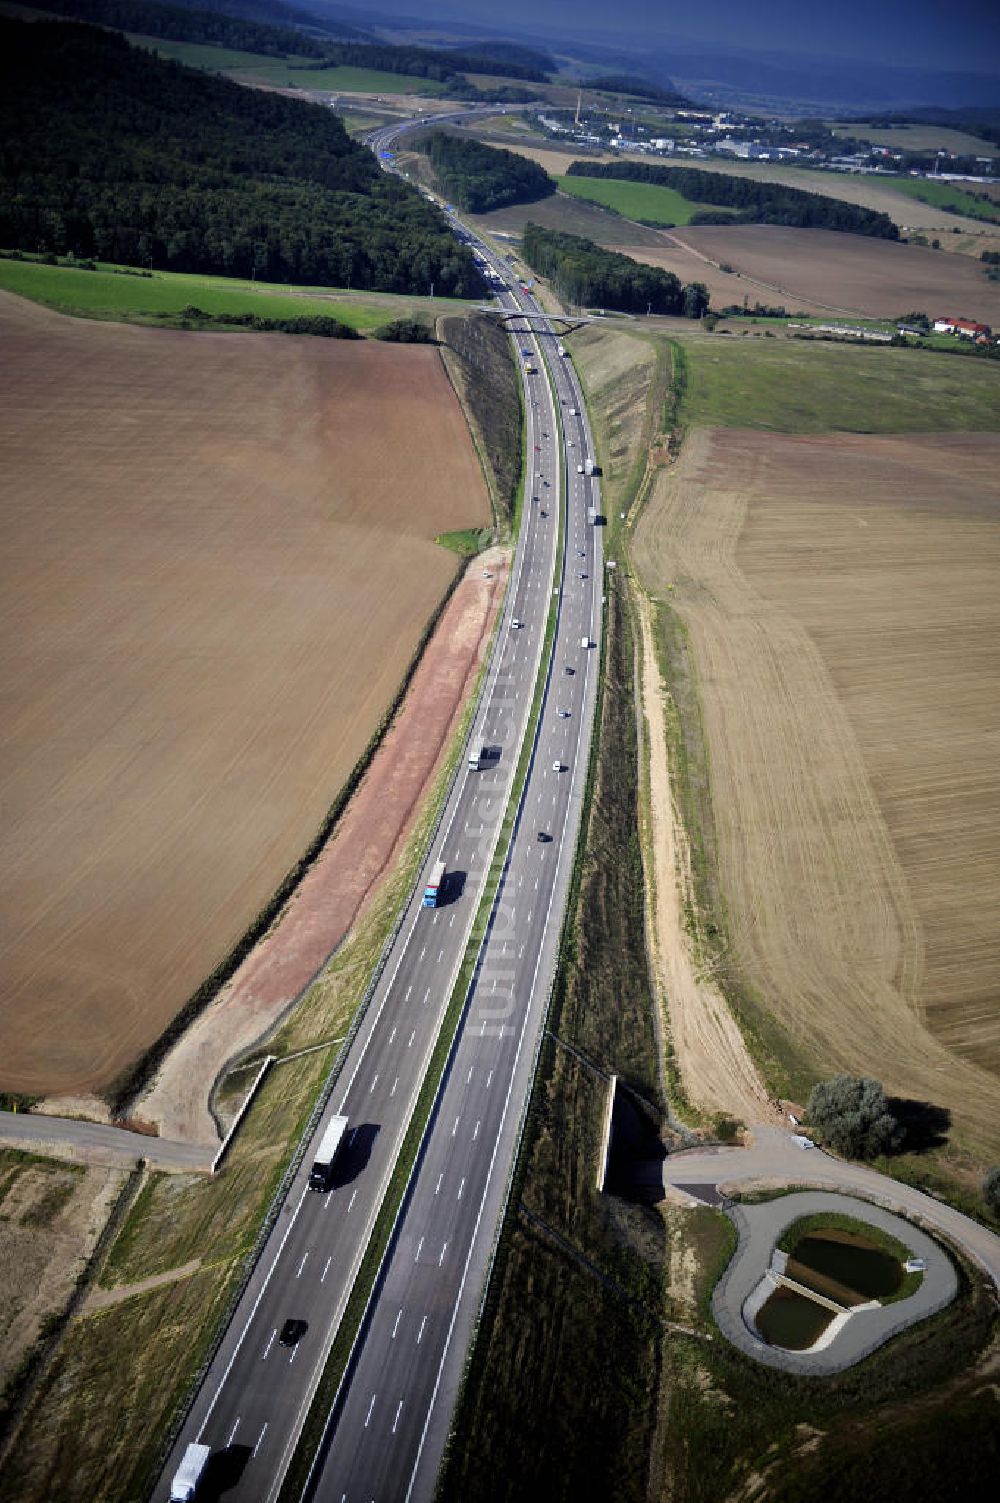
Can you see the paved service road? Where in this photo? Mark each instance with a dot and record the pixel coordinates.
(96, 1143)
(774, 1158)
(253, 1402)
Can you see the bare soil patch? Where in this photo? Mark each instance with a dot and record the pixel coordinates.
(840, 596)
(714, 1064)
(51, 1216)
(819, 271)
(724, 288)
(217, 561)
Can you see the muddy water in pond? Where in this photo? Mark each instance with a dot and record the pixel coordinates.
(857, 1266)
(791, 1320)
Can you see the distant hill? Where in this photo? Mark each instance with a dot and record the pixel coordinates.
(273, 13)
(182, 23)
(112, 152)
(637, 88)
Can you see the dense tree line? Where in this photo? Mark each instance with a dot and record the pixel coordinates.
(165, 166)
(754, 202)
(178, 24)
(480, 178)
(582, 272)
(321, 324)
(424, 62)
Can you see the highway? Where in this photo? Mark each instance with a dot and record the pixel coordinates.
(394, 1409)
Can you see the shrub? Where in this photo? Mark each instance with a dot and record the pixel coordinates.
(991, 1191)
(851, 1114)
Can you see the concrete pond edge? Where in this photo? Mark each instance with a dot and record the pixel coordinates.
(748, 1281)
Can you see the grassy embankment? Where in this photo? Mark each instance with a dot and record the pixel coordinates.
(125, 295)
(645, 202)
(578, 1276)
(477, 357)
(726, 1420)
(949, 196)
(96, 1426)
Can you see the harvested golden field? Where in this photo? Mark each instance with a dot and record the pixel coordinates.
(216, 564)
(824, 271)
(840, 595)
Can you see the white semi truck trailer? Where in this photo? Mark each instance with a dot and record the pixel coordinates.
(188, 1475)
(321, 1173)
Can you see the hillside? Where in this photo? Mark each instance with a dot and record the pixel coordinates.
(164, 166)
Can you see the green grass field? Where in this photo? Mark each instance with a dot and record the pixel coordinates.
(944, 196)
(280, 73)
(916, 137)
(642, 201)
(792, 386)
(106, 293)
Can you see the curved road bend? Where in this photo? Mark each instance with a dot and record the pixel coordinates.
(256, 1394)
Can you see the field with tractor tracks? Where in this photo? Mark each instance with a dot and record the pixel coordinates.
(217, 562)
(838, 594)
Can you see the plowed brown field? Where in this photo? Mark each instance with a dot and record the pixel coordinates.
(825, 271)
(216, 563)
(841, 597)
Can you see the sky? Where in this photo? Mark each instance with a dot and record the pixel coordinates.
(949, 35)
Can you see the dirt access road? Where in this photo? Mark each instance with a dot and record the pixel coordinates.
(715, 1067)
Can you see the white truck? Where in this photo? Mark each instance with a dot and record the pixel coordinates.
(434, 891)
(190, 1472)
(321, 1173)
(561, 349)
(477, 755)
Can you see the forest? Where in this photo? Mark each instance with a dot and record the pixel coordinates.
(586, 274)
(178, 24)
(479, 178)
(168, 167)
(754, 202)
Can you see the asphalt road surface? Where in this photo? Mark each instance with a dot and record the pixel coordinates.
(253, 1402)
